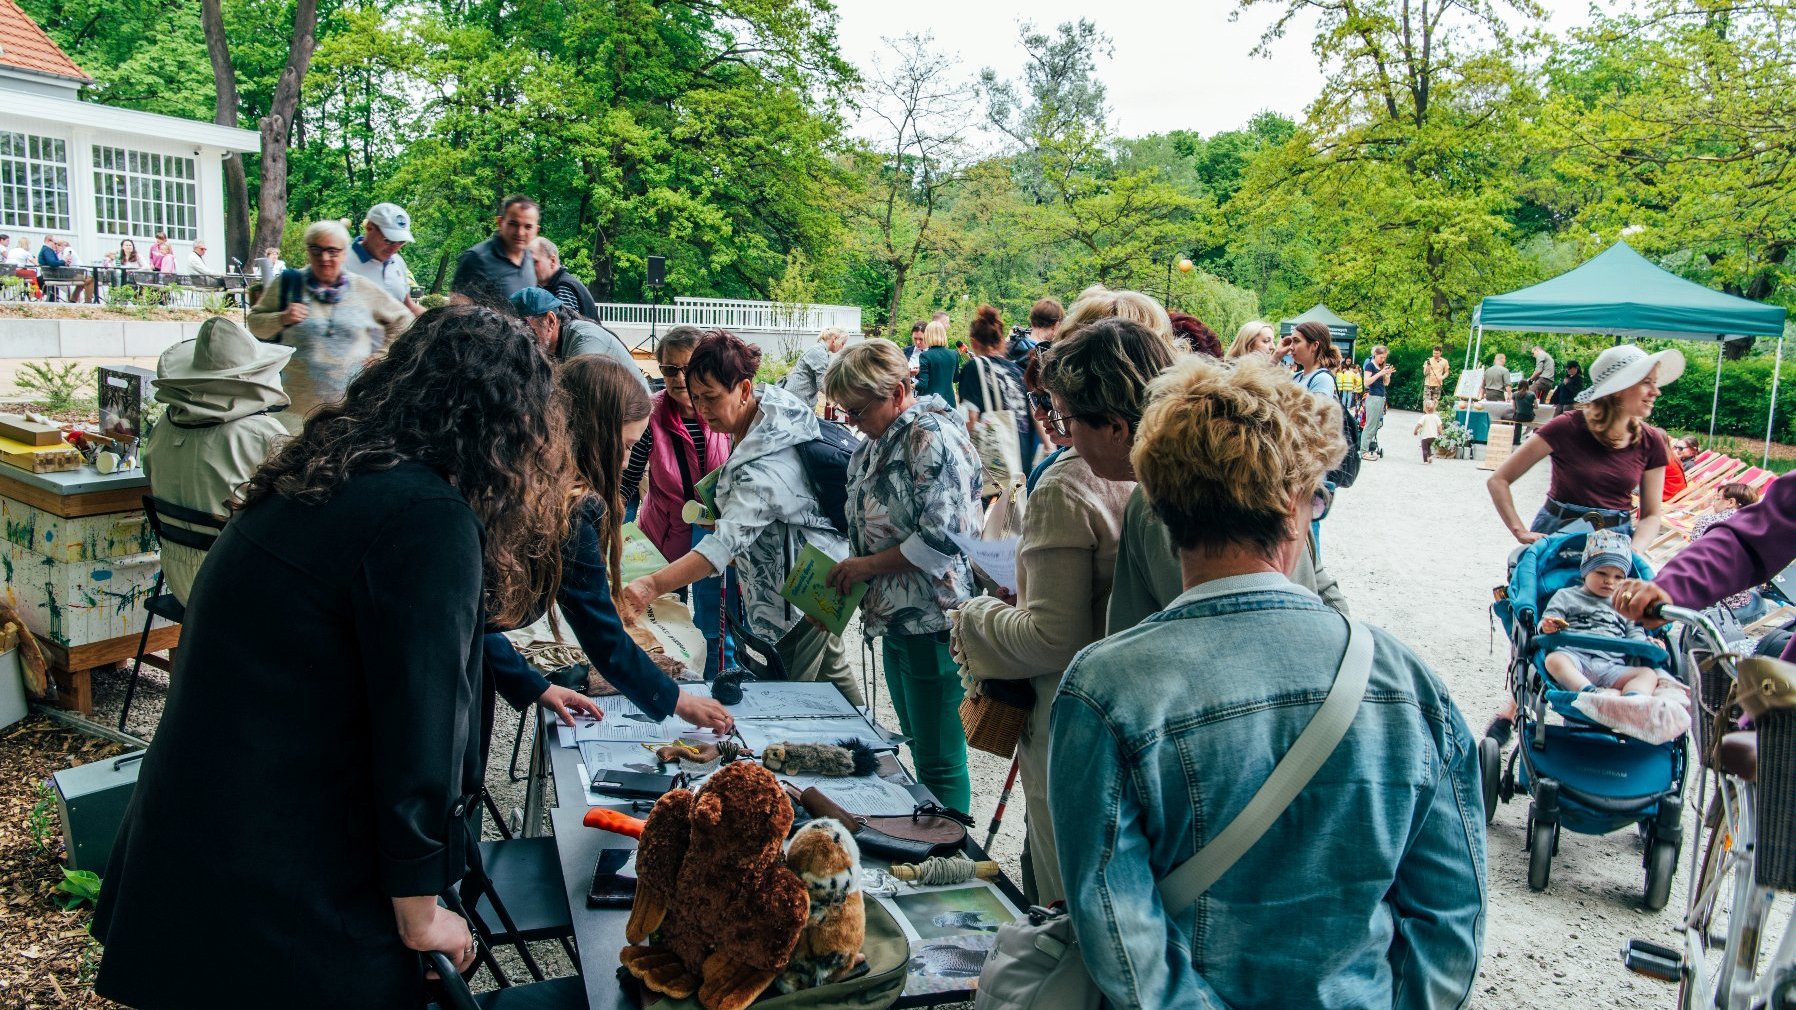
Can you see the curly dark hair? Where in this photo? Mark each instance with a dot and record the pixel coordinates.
(467, 392)
(601, 397)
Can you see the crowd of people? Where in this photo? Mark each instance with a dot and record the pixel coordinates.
(403, 487)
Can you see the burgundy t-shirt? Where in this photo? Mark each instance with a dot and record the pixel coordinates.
(1586, 471)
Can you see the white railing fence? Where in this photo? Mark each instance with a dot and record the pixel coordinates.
(732, 314)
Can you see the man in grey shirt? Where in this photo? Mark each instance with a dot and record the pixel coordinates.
(565, 335)
(1497, 380)
(501, 266)
(805, 379)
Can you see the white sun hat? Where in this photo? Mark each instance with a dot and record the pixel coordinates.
(1620, 367)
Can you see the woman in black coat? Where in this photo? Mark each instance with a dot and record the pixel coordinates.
(306, 795)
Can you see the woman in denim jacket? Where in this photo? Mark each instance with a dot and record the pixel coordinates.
(911, 485)
(1369, 889)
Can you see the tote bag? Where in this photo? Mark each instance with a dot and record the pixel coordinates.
(995, 437)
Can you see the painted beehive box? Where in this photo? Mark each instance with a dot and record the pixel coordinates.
(78, 581)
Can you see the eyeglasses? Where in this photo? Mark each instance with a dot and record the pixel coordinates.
(1057, 422)
(669, 371)
(325, 251)
(1043, 402)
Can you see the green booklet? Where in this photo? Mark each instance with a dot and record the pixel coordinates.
(640, 556)
(807, 589)
(704, 510)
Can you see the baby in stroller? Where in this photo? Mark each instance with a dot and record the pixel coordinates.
(1585, 608)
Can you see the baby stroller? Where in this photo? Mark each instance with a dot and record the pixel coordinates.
(1577, 774)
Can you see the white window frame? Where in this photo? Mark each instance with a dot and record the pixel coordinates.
(34, 182)
(139, 193)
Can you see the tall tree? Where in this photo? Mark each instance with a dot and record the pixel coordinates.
(923, 105)
(277, 126)
(225, 113)
(1409, 154)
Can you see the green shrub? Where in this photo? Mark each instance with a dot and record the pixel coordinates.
(57, 385)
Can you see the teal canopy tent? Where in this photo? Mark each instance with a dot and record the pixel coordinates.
(1342, 332)
(1621, 293)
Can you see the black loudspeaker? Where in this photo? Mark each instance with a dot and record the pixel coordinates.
(657, 271)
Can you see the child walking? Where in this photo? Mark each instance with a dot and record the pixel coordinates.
(1429, 427)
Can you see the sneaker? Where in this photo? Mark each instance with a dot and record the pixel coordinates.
(1500, 730)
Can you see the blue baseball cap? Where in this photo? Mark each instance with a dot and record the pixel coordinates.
(533, 302)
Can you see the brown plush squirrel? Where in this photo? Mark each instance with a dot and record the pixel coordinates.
(713, 886)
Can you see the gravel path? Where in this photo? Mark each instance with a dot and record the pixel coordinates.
(1417, 549)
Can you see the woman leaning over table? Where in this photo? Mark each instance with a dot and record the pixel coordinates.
(336, 322)
(1065, 563)
(607, 410)
(327, 690)
(911, 484)
(767, 509)
(1602, 456)
(676, 451)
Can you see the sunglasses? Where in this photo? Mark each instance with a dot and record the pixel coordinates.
(669, 371)
(1043, 402)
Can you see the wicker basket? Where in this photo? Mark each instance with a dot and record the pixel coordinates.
(1715, 710)
(994, 719)
(1776, 782)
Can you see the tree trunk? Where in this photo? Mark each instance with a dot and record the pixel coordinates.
(224, 113)
(271, 217)
(898, 273)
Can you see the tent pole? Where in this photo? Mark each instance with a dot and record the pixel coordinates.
(1771, 415)
(1715, 404)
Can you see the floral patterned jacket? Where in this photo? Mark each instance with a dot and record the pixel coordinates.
(909, 488)
(767, 511)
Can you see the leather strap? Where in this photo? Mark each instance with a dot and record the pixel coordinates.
(1184, 885)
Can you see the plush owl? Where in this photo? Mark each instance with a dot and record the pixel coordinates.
(825, 858)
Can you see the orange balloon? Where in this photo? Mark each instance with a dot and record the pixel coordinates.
(1185, 266)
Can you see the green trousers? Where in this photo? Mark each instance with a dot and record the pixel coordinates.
(926, 692)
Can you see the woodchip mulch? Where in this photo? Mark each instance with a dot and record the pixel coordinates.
(48, 957)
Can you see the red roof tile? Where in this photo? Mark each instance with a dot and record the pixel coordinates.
(24, 46)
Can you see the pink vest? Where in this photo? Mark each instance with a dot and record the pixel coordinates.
(659, 515)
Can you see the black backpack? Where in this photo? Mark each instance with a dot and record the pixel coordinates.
(825, 463)
(1348, 472)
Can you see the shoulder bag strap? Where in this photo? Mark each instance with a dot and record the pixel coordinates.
(1184, 885)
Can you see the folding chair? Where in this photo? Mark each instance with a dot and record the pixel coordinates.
(754, 653)
(517, 896)
(567, 993)
(161, 604)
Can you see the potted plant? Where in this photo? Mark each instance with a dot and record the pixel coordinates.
(1452, 440)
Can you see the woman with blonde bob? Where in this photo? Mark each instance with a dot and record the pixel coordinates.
(913, 485)
(1161, 734)
(1254, 337)
(936, 363)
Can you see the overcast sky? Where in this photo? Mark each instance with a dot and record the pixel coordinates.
(1176, 65)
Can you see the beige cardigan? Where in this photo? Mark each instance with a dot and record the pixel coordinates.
(1065, 563)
